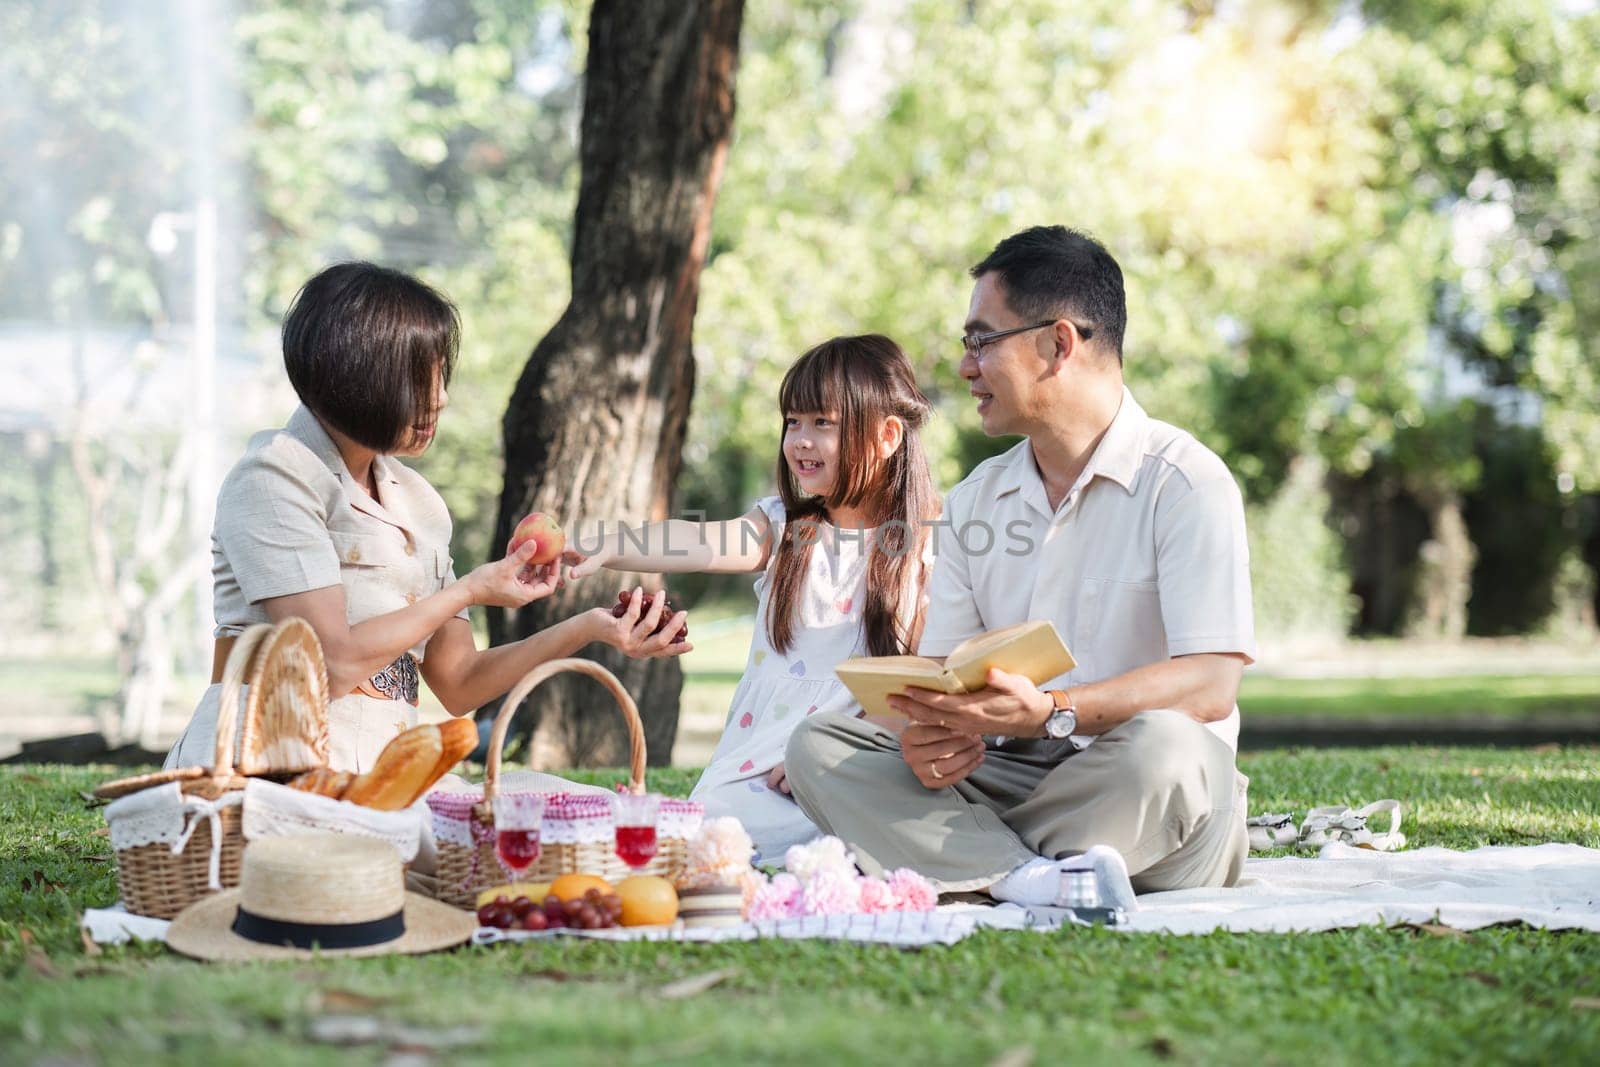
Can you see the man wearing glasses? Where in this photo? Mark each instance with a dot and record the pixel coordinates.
(1125, 532)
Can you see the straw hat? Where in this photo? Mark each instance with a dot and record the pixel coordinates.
(329, 894)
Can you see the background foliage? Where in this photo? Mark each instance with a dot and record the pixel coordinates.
(1359, 239)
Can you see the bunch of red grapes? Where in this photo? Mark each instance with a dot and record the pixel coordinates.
(645, 599)
(592, 911)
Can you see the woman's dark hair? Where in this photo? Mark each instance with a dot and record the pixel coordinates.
(1051, 270)
(363, 345)
(860, 381)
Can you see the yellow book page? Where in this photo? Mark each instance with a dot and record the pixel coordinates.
(1033, 649)
(872, 679)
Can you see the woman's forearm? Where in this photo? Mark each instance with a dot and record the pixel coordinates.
(355, 653)
(474, 679)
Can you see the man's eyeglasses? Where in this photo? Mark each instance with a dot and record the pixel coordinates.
(974, 343)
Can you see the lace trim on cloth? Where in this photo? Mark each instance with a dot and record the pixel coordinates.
(273, 810)
(398, 681)
(569, 818)
(149, 817)
(162, 815)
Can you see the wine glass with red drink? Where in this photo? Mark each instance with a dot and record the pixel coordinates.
(636, 826)
(518, 818)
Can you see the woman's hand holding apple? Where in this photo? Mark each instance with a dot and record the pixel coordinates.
(513, 581)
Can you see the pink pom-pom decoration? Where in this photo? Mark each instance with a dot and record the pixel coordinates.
(780, 898)
(876, 896)
(831, 893)
(825, 854)
(750, 882)
(912, 892)
(718, 855)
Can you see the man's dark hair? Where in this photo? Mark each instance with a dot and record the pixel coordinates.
(362, 345)
(1051, 270)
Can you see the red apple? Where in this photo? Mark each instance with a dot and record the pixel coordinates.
(546, 535)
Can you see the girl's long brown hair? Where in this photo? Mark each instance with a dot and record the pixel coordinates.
(859, 381)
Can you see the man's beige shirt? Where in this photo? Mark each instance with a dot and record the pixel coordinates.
(1145, 559)
(290, 518)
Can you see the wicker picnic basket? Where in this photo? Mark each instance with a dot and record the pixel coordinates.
(178, 833)
(579, 830)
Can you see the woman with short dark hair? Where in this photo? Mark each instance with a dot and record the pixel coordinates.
(318, 520)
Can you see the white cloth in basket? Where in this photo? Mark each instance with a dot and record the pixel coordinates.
(273, 810)
(162, 815)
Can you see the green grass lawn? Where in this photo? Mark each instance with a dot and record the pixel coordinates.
(1465, 696)
(1362, 996)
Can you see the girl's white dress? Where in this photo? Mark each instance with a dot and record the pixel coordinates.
(780, 689)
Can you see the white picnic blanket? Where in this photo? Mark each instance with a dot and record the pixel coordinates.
(1551, 886)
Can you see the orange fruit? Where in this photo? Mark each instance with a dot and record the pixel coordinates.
(647, 900)
(574, 886)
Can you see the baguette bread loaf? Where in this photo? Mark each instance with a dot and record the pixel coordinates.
(403, 771)
(323, 782)
(459, 737)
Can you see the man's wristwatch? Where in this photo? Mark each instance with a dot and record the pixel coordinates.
(1063, 718)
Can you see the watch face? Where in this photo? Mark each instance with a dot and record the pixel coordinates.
(1061, 724)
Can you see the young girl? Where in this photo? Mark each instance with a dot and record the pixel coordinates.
(843, 551)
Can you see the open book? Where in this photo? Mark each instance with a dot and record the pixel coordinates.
(1030, 648)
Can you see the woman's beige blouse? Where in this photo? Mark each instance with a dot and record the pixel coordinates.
(290, 518)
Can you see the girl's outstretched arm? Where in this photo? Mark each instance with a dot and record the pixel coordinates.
(731, 546)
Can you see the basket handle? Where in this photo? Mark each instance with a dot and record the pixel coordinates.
(519, 693)
(233, 676)
(284, 636)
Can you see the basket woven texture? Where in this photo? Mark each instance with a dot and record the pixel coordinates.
(579, 831)
(284, 723)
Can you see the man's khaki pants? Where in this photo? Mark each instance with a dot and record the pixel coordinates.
(1161, 789)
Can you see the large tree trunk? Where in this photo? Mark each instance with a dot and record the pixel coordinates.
(596, 425)
(1444, 581)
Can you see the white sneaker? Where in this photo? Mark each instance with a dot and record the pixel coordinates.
(1110, 875)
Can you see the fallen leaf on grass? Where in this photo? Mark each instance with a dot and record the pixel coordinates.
(1161, 1047)
(35, 957)
(335, 1001)
(104, 831)
(552, 976)
(40, 884)
(1486, 979)
(1436, 930)
(1546, 748)
(694, 985)
(1021, 1056)
(90, 946)
(31, 779)
(992, 995)
(1584, 1004)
